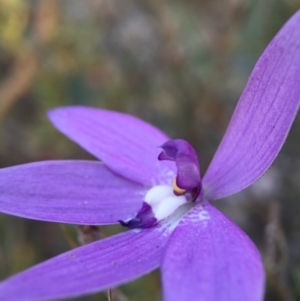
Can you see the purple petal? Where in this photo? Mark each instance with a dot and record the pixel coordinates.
(262, 118)
(127, 145)
(76, 192)
(209, 258)
(88, 269)
(188, 172)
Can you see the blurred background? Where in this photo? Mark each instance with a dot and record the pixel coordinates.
(180, 65)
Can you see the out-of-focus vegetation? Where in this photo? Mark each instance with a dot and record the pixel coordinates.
(180, 65)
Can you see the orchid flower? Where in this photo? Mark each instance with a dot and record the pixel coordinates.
(152, 185)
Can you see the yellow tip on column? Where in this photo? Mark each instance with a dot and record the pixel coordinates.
(177, 190)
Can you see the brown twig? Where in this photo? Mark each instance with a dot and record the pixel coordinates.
(276, 254)
(26, 63)
(88, 234)
(109, 295)
(17, 83)
(116, 294)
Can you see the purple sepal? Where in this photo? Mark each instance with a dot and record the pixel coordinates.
(74, 192)
(124, 143)
(88, 269)
(209, 258)
(143, 220)
(262, 118)
(188, 171)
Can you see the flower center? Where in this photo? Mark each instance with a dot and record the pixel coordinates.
(162, 200)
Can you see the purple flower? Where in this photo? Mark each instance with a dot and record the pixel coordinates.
(158, 193)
